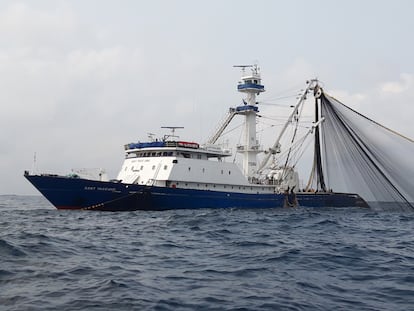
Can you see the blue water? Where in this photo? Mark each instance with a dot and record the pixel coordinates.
(277, 259)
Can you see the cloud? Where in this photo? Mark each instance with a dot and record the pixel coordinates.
(403, 85)
(21, 24)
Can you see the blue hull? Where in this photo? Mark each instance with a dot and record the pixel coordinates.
(77, 193)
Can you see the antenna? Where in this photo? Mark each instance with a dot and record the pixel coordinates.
(34, 168)
(172, 128)
(243, 67)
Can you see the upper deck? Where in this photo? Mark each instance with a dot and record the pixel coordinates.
(174, 149)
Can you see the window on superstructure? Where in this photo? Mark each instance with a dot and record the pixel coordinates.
(165, 167)
(132, 155)
(153, 167)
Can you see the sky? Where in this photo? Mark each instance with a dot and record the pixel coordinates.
(79, 79)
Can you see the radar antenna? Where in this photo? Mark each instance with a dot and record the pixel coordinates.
(243, 67)
(172, 128)
(255, 68)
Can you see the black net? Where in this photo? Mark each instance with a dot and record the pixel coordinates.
(361, 156)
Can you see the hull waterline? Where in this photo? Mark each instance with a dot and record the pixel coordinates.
(78, 193)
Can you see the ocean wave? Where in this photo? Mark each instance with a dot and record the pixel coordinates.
(291, 259)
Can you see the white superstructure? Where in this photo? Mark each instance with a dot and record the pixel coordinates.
(179, 164)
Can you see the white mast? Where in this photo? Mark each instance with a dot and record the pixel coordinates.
(251, 85)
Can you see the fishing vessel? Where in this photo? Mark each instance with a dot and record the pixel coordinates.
(170, 173)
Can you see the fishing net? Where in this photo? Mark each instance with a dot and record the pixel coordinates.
(361, 156)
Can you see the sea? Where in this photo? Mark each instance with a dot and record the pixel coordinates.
(210, 259)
